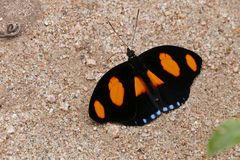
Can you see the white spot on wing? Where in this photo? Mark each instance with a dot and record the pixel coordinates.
(165, 109)
(171, 106)
(144, 120)
(158, 112)
(153, 116)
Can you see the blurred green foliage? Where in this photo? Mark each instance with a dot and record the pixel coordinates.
(225, 136)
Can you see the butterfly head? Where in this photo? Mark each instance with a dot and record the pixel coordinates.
(130, 53)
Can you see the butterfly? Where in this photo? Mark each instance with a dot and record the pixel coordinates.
(139, 90)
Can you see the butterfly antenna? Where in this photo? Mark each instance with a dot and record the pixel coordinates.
(117, 34)
(135, 28)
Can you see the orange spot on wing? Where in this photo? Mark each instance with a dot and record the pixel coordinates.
(99, 109)
(169, 64)
(116, 91)
(154, 79)
(139, 85)
(191, 62)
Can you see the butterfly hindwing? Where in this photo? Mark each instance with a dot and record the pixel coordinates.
(113, 98)
(146, 111)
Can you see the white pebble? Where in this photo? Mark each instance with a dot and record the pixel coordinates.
(10, 129)
(46, 23)
(172, 117)
(51, 98)
(90, 76)
(51, 110)
(203, 23)
(91, 62)
(14, 115)
(235, 69)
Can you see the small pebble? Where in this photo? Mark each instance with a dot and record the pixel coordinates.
(65, 56)
(85, 88)
(64, 106)
(113, 130)
(10, 129)
(46, 23)
(123, 127)
(2, 51)
(167, 13)
(203, 23)
(91, 62)
(14, 116)
(235, 69)
(90, 76)
(172, 117)
(51, 110)
(79, 148)
(51, 98)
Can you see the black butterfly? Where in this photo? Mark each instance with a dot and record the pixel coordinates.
(141, 89)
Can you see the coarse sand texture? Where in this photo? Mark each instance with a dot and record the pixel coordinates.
(49, 69)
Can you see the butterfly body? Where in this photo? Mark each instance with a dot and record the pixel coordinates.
(140, 70)
(141, 89)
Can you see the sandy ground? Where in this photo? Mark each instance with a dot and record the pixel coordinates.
(49, 71)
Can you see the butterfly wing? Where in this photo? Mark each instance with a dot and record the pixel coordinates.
(113, 98)
(122, 96)
(171, 71)
(177, 68)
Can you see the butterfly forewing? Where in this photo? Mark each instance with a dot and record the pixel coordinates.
(113, 98)
(171, 64)
(176, 67)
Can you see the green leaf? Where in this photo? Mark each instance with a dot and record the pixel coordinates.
(225, 136)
